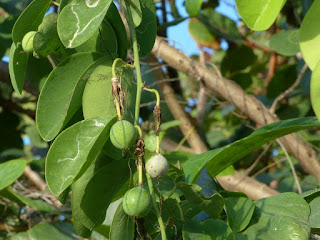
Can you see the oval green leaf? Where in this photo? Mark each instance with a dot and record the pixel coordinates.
(73, 151)
(30, 19)
(113, 17)
(17, 66)
(135, 11)
(202, 35)
(79, 20)
(286, 42)
(219, 159)
(259, 14)
(315, 90)
(193, 7)
(148, 27)
(310, 36)
(315, 213)
(11, 171)
(60, 97)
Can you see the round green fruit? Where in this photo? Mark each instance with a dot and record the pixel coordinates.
(123, 134)
(137, 202)
(157, 166)
(27, 42)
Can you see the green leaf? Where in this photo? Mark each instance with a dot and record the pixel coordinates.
(48, 231)
(315, 213)
(94, 190)
(136, 12)
(220, 25)
(286, 42)
(79, 20)
(98, 91)
(73, 151)
(17, 66)
(38, 70)
(46, 41)
(22, 201)
(11, 171)
(310, 36)
(311, 194)
(315, 90)
(122, 226)
(210, 229)
(113, 17)
(284, 216)
(219, 159)
(61, 94)
(148, 27)
(193, 7)
(239, 212)
(259, 14)
(14, 7)
(202, 35)
(212, 205)
(30, 19)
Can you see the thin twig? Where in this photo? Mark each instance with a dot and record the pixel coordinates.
(289, 90)
(294, 173)
(249, 169)
(269, 166)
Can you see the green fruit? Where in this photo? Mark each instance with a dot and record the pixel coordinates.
(137, 202)
(27, 42)
(123, 134)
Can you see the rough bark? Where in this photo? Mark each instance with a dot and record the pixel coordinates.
(247, 104)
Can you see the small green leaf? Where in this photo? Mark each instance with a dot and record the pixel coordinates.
(73, 151)
(97, 96)
(212, 205)
(239, 212)
(17, 66)
(135, 11)
(79, 20)
(60, 97)
(219, 159)
(30, 19)
(122, 226)
(315, 89)
(315, 213)
(284, 216)
(22, 201)
(210, 229)
(259, 14)
(113, 17)
(11, 171)
(286, 42)
(148, 27)
(94, 190)
(310, 36)
(193, 7)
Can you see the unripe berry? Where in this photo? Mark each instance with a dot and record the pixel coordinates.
(123, 134)
(137, 202)
(27, 42)
(157, 166)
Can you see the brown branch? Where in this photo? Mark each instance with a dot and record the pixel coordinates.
(247, 104)
(14, 107)
(253, 188)
(272, 66)
(289, 90)
(252, 44)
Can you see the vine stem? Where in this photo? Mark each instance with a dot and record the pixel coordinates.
(137, 110)
(155, 206)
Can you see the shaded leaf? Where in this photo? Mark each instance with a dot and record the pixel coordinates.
(286, 42)
(11, 171)
(73, 151)
(212, 205)
(217, 160)
(211, 229)
(259, 14)
(315, 213)
(61, 94)
(79, 20)
(136, 12)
